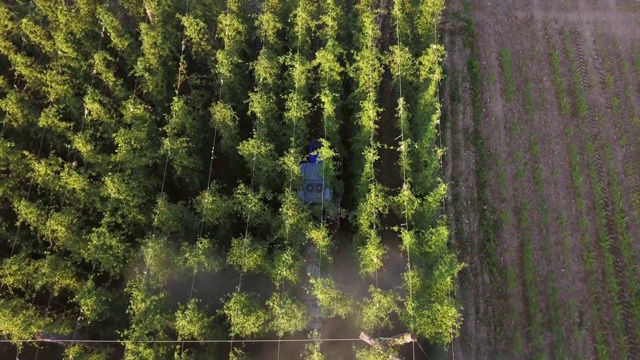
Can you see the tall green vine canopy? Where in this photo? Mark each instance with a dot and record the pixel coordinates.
(150, 158)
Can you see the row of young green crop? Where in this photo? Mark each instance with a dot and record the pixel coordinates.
(524, 223)
(606, 240)
(554, 311)
(614, 67)
(588, 255)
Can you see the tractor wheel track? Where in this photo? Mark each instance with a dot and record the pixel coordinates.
(595, 134)
(630, 282)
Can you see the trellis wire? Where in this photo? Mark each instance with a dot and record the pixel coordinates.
(404, 176)
(177, 341)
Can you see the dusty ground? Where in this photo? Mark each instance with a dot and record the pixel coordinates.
(544, 182)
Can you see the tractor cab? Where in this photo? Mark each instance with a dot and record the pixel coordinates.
(314, 188)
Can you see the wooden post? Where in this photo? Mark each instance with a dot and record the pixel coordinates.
(376, 345)
(371, 341)
(402, 339)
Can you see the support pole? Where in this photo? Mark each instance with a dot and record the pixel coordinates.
(376, 344)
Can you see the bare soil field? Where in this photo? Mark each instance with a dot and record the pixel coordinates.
(541, 110)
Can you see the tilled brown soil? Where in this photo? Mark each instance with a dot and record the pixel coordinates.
(545, 190)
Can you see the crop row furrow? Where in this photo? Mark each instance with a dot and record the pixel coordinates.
(597, 61)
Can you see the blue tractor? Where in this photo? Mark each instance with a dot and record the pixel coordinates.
(315, 190)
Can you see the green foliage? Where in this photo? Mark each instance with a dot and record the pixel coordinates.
(51, 119)
(93, 302)
(286, 265)
(270, 22)
(77, 185)
(225, 121)
(260, 158)
(372, 253)
(312, 349)
(303, 23)
(263, 106)
(245, 315)
(431, 311)
(377, 309)
(288, 316)
(294, 215)
(182, 138)
(38, 35)
(402, 64)
(238, 354)
(328, 62)
(136, 145)
(406, 203)
(330, 171)
(21, 320)
(131, 195)
(251, 204)
(160, 259)
(375, 203)
(297, 105)
(17, 109)
(104, 67)
(192, 322)
(429, 18)
(81, 352)
(119, 38)
(403, 14)
(119, 93)
(232, 31)
(196, 31)
(436, 239)
(62, 230)
(54, 275)
(247, 255)
(267, 69)
(319, 236)
(29, 213)
(16, 272)
(45, 172)
(290, 167)
(150, 319)
(332, 301)
(370, 353)
(425, 155)
(212, 206)
(172, 218)
(159, 44)
(201, 256)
